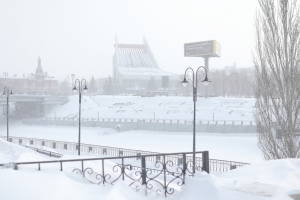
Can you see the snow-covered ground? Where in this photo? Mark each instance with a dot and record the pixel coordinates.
(215, 108)
(262, 181)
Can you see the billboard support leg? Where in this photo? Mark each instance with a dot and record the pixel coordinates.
(207, 70)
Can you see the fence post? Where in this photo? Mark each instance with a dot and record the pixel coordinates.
(103, 175)
(13, 166)
(138, 155)
(123, 169)
(205, 161)
(143, 164)
(184, 166)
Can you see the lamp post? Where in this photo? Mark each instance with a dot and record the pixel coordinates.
(7, 92)
(79, 88)
(5, 74)
(72, 79)
(195, 84)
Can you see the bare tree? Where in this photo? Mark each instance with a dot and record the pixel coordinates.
(277, 75)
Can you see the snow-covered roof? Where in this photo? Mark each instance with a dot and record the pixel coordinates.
(30, 77)
(137, 59)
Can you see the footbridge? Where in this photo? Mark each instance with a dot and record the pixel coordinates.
(31, 105)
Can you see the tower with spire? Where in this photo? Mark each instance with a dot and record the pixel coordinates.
(39, 69)
(39, 73)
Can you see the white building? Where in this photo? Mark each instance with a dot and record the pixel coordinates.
(135, 71)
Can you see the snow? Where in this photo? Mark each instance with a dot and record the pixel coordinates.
(261, 180)
(235, 146)
(264, 180)
(217, 108)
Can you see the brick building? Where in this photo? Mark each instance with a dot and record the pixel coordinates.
(36, 83)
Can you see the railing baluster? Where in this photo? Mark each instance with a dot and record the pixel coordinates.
(123, 169)
(103, 175)
(165, 176)
(184, 167)
(143, 165)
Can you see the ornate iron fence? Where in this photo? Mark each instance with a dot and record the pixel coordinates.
(215, 165)
(163, 177)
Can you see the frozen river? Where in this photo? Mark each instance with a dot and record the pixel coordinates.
(235, 147)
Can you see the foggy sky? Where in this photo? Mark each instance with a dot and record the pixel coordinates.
(77, 36)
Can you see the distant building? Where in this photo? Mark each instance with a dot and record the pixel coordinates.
(135, 71)
(101, 82)
(37, 83)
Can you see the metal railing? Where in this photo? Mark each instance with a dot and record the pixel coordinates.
(45, 152)
(163, 177)
(135, 120)
(215, 165)
(171, 125)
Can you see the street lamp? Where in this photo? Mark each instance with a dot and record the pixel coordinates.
(5, 74)
(195, 84)
(79, 88)
(7, 92)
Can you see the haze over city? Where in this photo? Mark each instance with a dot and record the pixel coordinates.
(150, 99)
(76, 37)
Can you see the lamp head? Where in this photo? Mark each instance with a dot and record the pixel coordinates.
(206, 81)
(184, 82)
(74, 88)
(85, 88)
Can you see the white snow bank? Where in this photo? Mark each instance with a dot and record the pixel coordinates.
(24, 185)
(274, 180)
(10, 152)
(284, 173)
(261, 181)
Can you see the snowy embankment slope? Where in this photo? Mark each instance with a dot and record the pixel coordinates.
(262, 181)
(217, 108)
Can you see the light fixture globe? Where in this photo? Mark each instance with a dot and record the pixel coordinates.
(184, 82)
(206, 81)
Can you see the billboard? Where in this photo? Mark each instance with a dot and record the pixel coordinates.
(209, 48)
